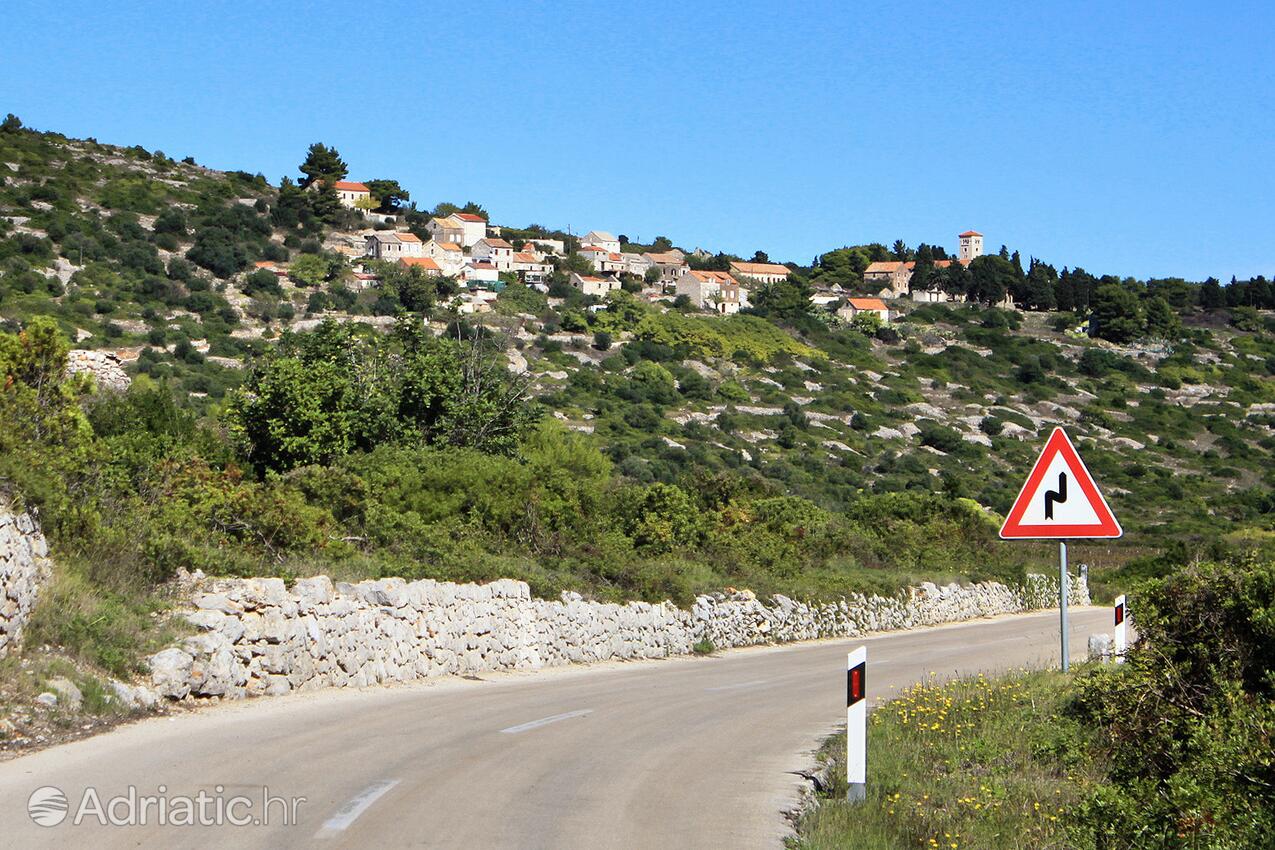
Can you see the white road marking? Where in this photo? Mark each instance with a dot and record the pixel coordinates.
(350, 812)
(752, 684)
(545, 721)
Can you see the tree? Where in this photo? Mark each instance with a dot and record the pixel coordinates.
(322, 165)
(1162, 319)
(900, 250)
(1037, 290)
(761, 257)
(324, 202)
(217, 250)
(315, 269)
(11, 124)
(1116, 315)
(389, 196)
(787, 300)
(1211, 295)
(991, 277)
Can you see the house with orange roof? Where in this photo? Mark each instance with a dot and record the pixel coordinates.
(447, 229)
(854, 306)
(760, 272)
(449, 256)
(598, 287)
(494, 250)
(712, 290)
(389, 245)
(602, 239)
(425, 264)
(350, 193)
(473, 227)
(531, 267)
(602, 260)
(670, 264)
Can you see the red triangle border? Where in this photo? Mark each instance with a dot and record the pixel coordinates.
(1107, 525)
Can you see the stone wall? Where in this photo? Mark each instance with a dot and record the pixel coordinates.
(24, 567)
(105, 367)
(257, 636)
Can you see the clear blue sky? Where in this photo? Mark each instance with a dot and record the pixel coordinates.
(1128, 138)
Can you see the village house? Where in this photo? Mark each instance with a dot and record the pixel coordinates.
(425, 264)
(602, 239)
(670, 264)
(855, 306)
(550, 246)
(448, 229)
(349, 193)
(602, 260)
(635, 264)
(496, 251)
(760, 272)
(365, 280)
(479, 274)
(389, 245)
(599, 287)
(716, 291)
(449, 256)
(474, 227)
(531, 267)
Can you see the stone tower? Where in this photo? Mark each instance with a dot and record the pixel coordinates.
(971, 245)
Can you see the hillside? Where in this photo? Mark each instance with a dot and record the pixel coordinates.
(781, 448)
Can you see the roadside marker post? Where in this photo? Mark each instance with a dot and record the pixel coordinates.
(857, 725)
(1122, 634)
(1060, 501)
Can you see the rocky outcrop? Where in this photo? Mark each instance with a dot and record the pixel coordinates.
(24, 567)
(105, 367)
(259, 637)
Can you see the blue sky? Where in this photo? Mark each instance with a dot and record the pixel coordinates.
(1128, 138)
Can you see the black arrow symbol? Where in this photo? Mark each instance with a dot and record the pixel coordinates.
(1059, 495)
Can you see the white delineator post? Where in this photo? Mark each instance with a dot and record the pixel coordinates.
(857, 724)
(1122, 631)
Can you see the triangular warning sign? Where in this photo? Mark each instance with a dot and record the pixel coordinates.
(1060, 498)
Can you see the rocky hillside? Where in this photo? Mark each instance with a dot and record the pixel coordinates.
(151, 259)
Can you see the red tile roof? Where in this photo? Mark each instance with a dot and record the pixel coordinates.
(749, 269)
(426, 263)
(971, 233)
(867, 303)
(470, 217)
(407, 237)
(347, 186)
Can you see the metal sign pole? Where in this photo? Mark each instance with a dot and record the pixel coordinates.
(1062, 600)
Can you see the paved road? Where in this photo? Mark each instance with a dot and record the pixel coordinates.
(692, 752)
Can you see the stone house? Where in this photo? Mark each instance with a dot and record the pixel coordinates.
(602, 239)
(760, 272)
(496, 251)
(350, 193)
(716, 291)
(596, 286)
(855, 306)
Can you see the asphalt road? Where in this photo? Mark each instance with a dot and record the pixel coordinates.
(691, 752)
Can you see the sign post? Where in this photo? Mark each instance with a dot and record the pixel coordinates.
(1060, 501)
(857, 725)
(1122, 634)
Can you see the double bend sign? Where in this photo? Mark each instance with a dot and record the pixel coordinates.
(1060, 498)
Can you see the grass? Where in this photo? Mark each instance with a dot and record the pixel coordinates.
(986, 763)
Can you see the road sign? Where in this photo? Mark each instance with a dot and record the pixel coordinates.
(1060, 499)
(1122, 634)
(857, 724)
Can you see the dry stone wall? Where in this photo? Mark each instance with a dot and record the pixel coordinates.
(259, 637)
(24, 567)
